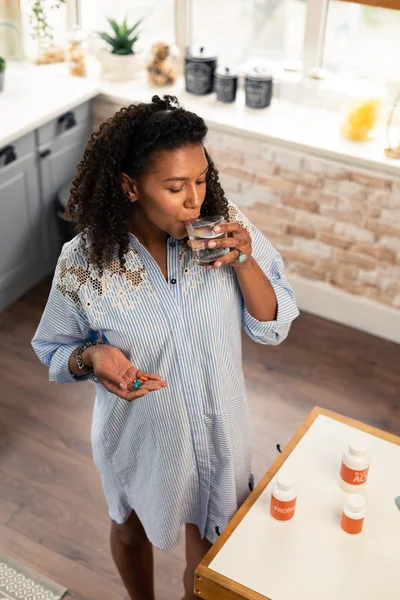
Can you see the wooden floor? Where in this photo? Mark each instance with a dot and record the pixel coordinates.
(52, 512)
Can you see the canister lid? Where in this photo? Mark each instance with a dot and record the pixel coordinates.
(226, 73)
(200, 53)
(259, 73)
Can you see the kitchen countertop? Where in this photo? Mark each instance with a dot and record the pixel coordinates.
(35, 95)
(296, 127)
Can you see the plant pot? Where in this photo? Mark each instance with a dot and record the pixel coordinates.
(120, 68)
(2, 77)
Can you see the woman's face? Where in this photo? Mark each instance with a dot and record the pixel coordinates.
(172, 192)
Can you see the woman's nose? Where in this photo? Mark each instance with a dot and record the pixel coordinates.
(192, 199)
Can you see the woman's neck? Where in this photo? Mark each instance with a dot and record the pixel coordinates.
(148, 234)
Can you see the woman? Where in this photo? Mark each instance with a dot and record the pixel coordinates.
(175, 450)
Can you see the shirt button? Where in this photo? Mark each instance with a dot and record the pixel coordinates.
(172, 244)
(173, 281)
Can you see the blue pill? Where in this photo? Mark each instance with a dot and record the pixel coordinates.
(137, 384)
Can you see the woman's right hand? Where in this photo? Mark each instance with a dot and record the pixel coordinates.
(117, 374)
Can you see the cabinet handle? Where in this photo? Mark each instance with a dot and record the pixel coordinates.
(7, 155)
(67, 121)
(44, 153)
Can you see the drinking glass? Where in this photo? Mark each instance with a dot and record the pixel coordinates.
(203, 229)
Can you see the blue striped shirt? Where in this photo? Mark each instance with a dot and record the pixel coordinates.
(182, 454)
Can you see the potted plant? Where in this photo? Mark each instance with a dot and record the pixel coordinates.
(120, 61)
(2, 72)
(42, 31)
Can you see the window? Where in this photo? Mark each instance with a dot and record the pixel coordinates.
(240, 30)
(348, 38)
(158, 17)
(363, 41)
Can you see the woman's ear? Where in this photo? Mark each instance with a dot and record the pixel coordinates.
(129, 187)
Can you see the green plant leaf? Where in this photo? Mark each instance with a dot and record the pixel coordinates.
(121, 41)
(107, 38)
(115, 26)
(123, 29)
(134, 27)
(134, 40)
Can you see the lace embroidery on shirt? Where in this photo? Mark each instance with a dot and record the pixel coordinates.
(77, 280)
(192, 276)
(73, 272)
(235, 216)
(183, 249)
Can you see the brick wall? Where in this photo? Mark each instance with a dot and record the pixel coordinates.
(332, 223)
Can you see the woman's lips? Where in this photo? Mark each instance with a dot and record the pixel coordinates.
(190, 221)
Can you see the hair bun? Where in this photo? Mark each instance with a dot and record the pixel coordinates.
(167, 102)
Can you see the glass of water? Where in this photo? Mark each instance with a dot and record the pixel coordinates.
(203, 230)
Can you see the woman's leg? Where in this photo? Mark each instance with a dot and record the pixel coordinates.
(133, 554)
(196, 549)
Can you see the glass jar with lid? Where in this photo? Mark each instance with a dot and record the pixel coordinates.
(77, 53)
(226, 82)
(200, 65)
(258, 86)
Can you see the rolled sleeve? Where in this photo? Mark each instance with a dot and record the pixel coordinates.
(272, 332)
(271, 263)
(59, 366)
(53, 343)
(62, 328)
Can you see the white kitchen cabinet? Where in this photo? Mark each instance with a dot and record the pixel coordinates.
(20, 216)
(60, 147)
(32, 170)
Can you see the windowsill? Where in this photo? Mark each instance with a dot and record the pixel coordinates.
(296, 127)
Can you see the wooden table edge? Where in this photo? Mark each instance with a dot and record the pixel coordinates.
(237, 591)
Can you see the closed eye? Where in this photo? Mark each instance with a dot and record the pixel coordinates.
(202, 182)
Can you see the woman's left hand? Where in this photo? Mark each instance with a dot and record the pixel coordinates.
(238, 240)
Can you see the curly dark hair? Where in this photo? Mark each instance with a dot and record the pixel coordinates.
(127, 143)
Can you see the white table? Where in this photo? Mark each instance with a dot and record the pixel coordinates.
(310, 557)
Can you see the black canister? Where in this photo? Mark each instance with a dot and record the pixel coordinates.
(200, 65)
(258, 87)
(226, 82)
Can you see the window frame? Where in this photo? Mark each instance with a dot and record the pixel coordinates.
(314, 33)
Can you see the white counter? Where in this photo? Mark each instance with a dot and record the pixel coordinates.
(310, 557)
(294, 126)
(35, 95)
